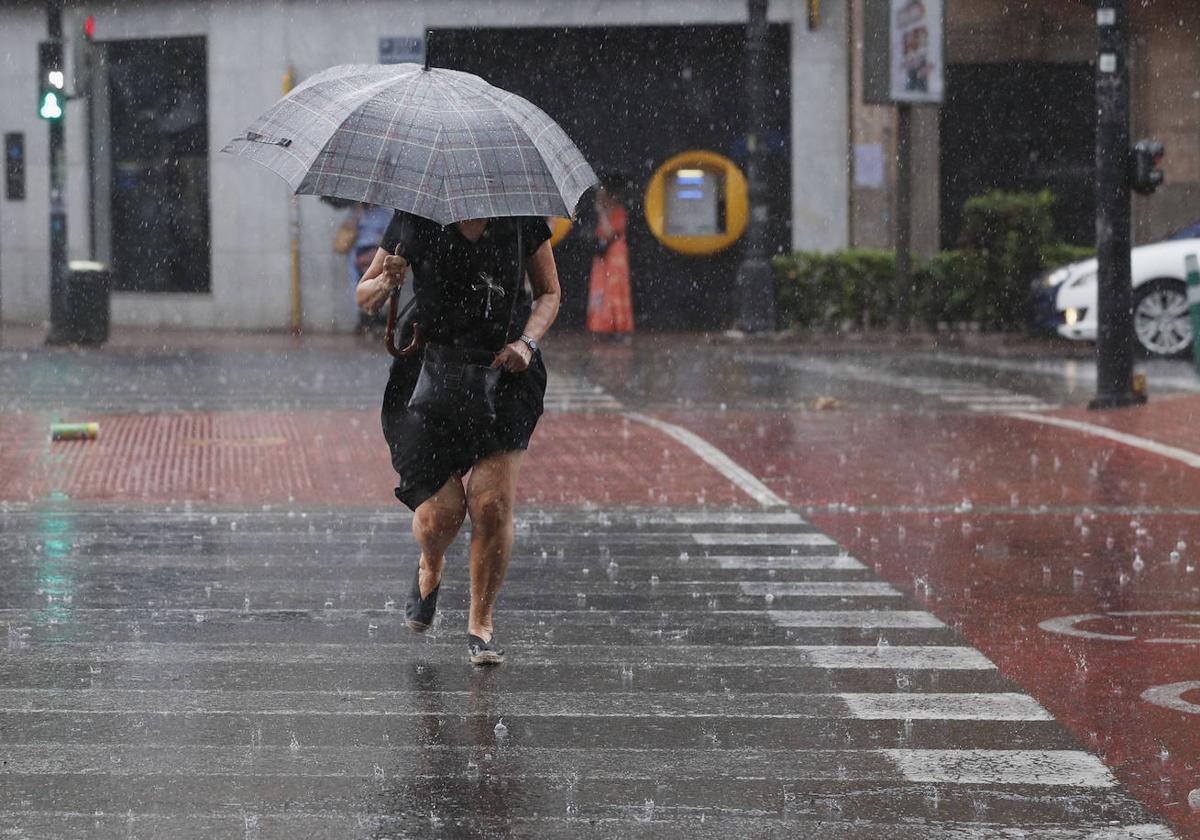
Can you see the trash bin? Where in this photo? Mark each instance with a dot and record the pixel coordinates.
(83, 316)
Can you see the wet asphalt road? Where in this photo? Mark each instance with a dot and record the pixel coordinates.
(202, 670)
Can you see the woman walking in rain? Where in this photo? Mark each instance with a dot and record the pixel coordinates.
(610, 304)
(471, 295)
(472, 171)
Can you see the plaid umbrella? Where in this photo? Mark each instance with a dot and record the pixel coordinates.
(438, 143)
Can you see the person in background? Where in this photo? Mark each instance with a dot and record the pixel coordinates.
(368, 224)
(610, 301)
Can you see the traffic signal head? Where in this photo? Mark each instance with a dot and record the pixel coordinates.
(83, 57)
(1147, 176)
(52, 99)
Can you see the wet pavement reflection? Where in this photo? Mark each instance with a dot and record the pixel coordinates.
(912, 614)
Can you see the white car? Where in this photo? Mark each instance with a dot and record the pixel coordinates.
(1160, 309)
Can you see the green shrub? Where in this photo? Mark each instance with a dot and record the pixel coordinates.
(952, 289)
(1058, 254)
(1007, 240)
(1009, 231)
(855, 287)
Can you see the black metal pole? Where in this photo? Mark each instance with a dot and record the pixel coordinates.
(58, 209)
(903, 214)
(755, 282)
(1113, 227)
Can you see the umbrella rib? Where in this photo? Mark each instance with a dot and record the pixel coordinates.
(323, 159)
(545, 126)
(474, 144)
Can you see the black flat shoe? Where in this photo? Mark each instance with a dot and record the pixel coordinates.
(419, 611)
(483, 653)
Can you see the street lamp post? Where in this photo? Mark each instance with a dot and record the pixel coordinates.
(1113, 211)
(755, 282)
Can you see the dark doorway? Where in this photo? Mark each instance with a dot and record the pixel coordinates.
(1020, 126)
(631, 97)
(158, 129)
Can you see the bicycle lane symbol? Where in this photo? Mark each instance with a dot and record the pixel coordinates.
(1156, 627)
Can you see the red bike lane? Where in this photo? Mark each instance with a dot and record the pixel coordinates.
(1073, 562)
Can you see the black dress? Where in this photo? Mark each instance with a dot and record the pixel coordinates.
(464, 293)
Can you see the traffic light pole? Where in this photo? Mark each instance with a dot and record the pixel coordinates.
(58, 209)
(1113, 226)
(755, 283)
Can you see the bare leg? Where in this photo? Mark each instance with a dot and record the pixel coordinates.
(435, 525)
(490, 493)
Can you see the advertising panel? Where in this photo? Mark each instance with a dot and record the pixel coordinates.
(916, 51)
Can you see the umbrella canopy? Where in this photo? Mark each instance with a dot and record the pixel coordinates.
(438, 143)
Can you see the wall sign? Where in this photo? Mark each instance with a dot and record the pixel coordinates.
(402, 49)
(916, 62)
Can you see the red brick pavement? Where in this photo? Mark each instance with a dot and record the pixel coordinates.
(332, 458)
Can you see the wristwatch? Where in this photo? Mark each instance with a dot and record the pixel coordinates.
(533, 345)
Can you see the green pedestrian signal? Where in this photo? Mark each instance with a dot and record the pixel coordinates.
(52, 99)
(52, 106)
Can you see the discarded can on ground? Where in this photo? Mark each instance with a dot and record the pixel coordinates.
(1139, 384)
(74, 431)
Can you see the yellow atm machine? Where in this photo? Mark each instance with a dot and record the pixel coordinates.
(697, 203)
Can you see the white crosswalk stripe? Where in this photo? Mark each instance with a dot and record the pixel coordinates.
(951, 392)
(739, 654)
(565, 392)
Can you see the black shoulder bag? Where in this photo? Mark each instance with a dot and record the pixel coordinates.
(458, 384)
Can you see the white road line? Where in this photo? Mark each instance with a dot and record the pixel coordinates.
(795, 561)
(982, 399)
(1171, 696)
(333, 823)
(1183, 456)
(1072, 768)
(1072, 370)
(1008, 407)
(715, 458)
(951, 391)
(1002, 706)
(737, 518)
(783, 589)
(893, 657)
(762, 539)
(349, 703)
(858, 619)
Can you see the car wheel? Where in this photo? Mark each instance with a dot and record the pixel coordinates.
(1160, 318)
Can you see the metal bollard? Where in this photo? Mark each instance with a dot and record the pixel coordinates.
(1192, 265)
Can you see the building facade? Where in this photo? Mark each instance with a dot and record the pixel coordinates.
(198, 238)
(203, 239)
(1019, 114)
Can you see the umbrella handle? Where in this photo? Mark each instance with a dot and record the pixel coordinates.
(389, 334)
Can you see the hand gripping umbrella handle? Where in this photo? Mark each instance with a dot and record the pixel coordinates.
(389, 334)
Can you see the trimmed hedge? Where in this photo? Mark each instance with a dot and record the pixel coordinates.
(1007, 241)
(852, 289)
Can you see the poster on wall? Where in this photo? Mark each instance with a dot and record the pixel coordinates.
(916, 50)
